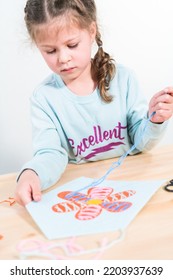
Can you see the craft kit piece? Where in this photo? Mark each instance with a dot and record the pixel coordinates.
(9, 200)
(66, 211)
(169, 186)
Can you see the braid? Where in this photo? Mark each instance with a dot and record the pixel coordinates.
(103, 70)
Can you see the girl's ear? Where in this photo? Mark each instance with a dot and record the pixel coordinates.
(92, 30)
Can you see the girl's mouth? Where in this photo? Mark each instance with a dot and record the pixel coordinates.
(68, 70)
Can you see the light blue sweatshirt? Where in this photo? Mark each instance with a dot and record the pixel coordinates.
(77, 129)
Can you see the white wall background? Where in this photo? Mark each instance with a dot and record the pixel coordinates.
(137, 33)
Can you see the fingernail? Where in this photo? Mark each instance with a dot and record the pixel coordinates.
(37, 197)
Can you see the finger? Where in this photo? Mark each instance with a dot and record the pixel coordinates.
(18, 200)
(165, 98)
(160, 93)
(161, 116)
(23, 200)
(162, 103)
(162, 99)
(163, 106)
(36, 193)
(27, 200)
(37, 196)
(169, 90)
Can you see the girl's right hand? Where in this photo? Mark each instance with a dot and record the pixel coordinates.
(28, 187)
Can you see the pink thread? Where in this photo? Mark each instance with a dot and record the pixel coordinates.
(41, 248)
(71, 249)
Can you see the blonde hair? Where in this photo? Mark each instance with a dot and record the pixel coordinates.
(39, 12)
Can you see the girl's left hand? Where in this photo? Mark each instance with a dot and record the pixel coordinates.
(162, 104)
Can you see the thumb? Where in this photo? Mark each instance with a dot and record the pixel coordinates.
(36, 193)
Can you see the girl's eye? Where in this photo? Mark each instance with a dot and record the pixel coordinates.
(72, 46)
(51, 52)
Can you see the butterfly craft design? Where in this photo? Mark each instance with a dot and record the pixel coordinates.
(90, 205)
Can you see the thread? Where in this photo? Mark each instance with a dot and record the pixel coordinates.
(37, 248)
(10, 200)
(117, 163)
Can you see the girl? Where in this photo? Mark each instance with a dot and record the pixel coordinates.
(88, 109)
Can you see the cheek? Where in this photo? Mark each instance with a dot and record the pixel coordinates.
(84, 54)
(50, 60)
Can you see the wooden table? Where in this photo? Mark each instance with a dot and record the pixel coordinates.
(149, 235)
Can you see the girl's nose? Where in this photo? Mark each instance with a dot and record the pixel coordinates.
(64, 56)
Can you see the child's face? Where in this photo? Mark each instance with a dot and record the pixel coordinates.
(67, 51)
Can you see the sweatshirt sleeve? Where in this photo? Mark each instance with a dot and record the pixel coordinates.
(50, 158)
(142, 132)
